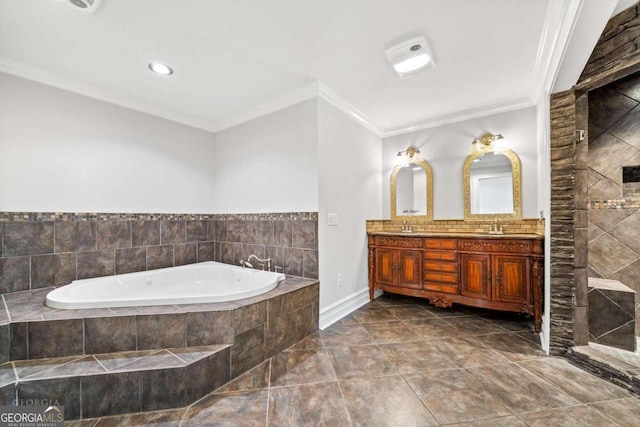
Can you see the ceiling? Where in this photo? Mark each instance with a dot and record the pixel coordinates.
(233, 57)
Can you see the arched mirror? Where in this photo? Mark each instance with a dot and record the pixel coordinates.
(412, 191)
(492, 185)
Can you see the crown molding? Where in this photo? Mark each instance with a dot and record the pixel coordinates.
(559, 22)
(312, 90)
(30, 72)
(343, 105)
(299, 95)
(471, 113)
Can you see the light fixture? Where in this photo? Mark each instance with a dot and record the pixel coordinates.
(489, 142)
(410, 56)
(160, 68)
(410, 156)
(84, 6)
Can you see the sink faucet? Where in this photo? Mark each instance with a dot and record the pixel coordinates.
(406, 228)
(261, 262)
(493, 229)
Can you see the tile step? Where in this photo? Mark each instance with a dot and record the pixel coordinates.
(617, 366)
(118, 383)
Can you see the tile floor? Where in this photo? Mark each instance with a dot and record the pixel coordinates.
(400, 362)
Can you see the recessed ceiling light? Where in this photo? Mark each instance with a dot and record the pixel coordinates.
(84, 6)
(410, 56)
(160, 68)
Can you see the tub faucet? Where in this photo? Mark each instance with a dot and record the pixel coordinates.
(261, 262)
(244, 264)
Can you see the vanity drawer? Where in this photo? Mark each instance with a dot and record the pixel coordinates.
(399, 242)
(438, 287)
(440, 243)
(440, 255)
(446, 267)
(496, 245)
(440, 277)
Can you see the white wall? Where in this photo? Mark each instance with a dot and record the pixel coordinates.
(64, 152)
(590, 23)
(349, 185)
(544, 205)
(269, 164)
(446, 148)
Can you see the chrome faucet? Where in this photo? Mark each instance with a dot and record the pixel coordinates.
(244, 264)
(493, 229)
(406, 228)
(261, 262)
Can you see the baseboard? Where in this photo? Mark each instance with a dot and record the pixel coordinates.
(339, 309)
(544, 339)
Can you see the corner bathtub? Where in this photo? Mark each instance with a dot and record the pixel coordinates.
(195, 283)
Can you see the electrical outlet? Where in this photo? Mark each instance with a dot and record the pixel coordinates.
(340, 281)
(332, 219)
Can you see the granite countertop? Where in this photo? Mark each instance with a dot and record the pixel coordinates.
(460, 235)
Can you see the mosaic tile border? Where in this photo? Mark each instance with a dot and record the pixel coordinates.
(90, 216)
(522, 226)
(615, 204)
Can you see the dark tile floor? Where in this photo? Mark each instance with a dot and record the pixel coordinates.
(400, 362)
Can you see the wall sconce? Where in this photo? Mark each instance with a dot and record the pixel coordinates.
(409, 156)
(489, 142)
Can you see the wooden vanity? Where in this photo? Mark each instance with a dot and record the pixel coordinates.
(500, 272)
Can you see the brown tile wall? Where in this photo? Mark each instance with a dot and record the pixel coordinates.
(38, 250)
(614, 223)
(614, 57)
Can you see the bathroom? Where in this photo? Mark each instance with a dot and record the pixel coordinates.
(134, 187)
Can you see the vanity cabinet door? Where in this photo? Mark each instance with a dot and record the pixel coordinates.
(385, 266)
(476, 276)
(510, 279)
(410, 269)
(399, 268)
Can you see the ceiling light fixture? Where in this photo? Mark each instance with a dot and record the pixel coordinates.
(84, 6)
(410, 56)
(160, 68)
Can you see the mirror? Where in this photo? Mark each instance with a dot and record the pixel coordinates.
(492, 185)
(411, 191)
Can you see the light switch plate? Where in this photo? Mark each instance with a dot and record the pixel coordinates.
(332, 219)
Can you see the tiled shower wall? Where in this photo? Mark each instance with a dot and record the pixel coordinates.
(50, 249)
(614, 222)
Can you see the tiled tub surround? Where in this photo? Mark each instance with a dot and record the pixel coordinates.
(144, 358)
(40, 250)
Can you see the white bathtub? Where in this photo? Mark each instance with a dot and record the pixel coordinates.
(195, 283)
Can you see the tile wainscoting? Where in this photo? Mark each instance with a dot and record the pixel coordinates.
(39, 250)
